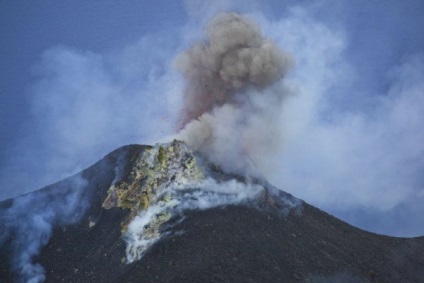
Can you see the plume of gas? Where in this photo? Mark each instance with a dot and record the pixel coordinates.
(234, 56)
(232, 100)
(30, 219)
(145, 229)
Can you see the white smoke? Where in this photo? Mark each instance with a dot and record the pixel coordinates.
(348, 149)
(85, 105)
(177, 181)
(234, 136)
(143, 231)
(351, 132)
(29, 223)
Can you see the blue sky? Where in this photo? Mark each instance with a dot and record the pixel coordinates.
(80, 78)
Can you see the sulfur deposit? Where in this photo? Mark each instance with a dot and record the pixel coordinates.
(155, 170)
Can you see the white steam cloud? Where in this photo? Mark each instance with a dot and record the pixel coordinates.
(142, 233)
(28, 223)
(85, 105)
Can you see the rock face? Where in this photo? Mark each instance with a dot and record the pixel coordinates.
(154, 171)
(162, 214)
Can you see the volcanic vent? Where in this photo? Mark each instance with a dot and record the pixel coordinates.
(197, 208)
(234, 94)
(167, 180)
(163, 214)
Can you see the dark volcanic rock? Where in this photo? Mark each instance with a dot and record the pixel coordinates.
(227, 244)
(237, 244)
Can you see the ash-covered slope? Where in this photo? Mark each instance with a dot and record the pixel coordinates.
(162, 214)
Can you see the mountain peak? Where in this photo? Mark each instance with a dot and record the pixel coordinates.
(163, 213)
(168, 178)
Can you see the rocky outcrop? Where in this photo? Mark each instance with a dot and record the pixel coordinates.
(155, 170)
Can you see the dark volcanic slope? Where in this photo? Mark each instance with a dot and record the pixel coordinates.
(231, 244)
(98, 177)
(238, 244)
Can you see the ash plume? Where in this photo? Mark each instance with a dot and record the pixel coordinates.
(234, 56)
(232, 101)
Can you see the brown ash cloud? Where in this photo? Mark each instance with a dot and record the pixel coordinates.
(234, 56)
(234, 94)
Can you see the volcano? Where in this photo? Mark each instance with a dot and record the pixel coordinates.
(165, 214)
